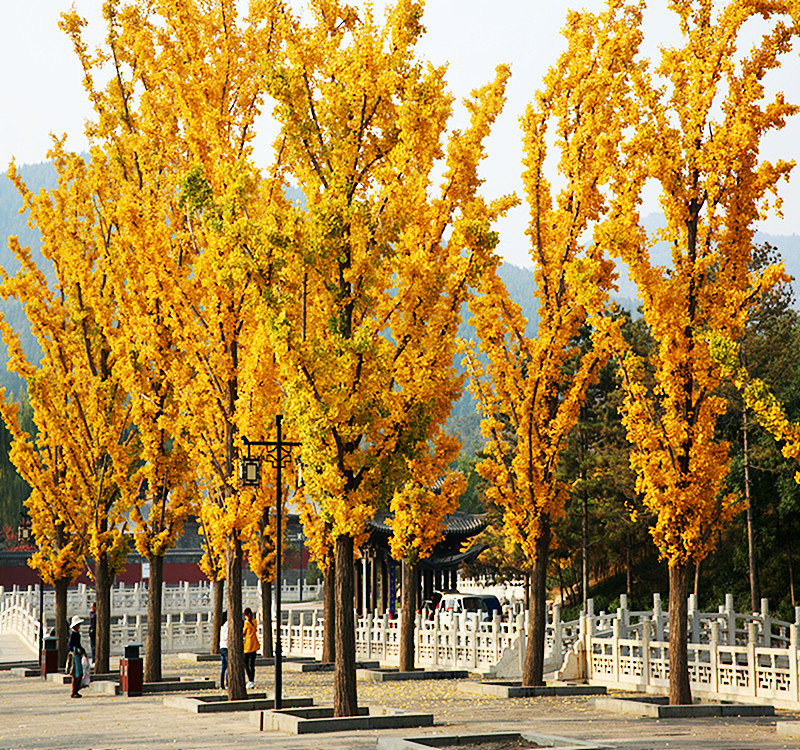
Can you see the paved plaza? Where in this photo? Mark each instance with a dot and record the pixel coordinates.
(40, 715)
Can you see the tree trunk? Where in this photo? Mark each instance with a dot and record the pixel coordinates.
(791, 569)
(329, 614)
(266, 618)
(233, 564)
(62, 625)
(697, 583)
(533, 669)
(679, 690)
(755, 594)
(345, 702)
(218, 606)
(152, 654)
(407, 618)
(102, 583)
(585, 552)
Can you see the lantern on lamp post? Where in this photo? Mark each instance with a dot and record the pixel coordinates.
(276, 453)
(25, 537)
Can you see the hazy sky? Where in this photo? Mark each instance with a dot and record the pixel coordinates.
(41, 91)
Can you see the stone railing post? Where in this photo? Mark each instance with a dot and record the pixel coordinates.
(319, 628)
(622, 616)
(385, 635)
(557, 630)
(646, 635)
(496, 631)
(752, 663)
(522, 634)
(794, 641)
(623, 611)
(730, 620)
(288, 635)
(693, 619)
(766, 624)
(169, 635)
(419, 636)
(615, 648)
(713, 648)
(586, 639)
(658, 617)
(472, 635)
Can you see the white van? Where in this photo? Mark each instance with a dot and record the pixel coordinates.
(470, 604)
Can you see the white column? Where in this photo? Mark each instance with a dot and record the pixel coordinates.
(752, 637)
(713, 645)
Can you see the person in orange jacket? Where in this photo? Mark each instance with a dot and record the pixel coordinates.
(251, 646)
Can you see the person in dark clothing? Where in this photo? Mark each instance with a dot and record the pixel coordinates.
(77, 651)
(93, 628)
(223, 649)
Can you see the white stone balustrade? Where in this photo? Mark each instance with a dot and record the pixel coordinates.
(455, 642)
(16, 616)
(746, 671)
(734, 656)
(132, 600)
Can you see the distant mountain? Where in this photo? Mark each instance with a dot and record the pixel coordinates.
(787, 245)
(37, 177)
(464, 419)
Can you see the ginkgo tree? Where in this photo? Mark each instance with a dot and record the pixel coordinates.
(222, 400)
(83, 411)
(419, 507)
(698, 118)
(532, 396)
(173, 130)
(385, 260)
(58, 527)
(148, 255)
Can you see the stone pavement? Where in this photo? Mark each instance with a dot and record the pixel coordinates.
(41, 716)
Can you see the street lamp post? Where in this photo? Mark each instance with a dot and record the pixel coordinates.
(25, 534)
(277, 451)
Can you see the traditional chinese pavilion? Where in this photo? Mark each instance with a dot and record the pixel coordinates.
(378, 574)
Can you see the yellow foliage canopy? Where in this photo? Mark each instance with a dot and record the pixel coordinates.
(700, 116)
(536, 385)
(368, 362)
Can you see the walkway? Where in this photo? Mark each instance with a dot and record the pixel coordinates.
(37, 715)
(15, 649)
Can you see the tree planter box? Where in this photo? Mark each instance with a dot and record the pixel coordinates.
(165, 686)
(13, 666)
(477, 740)
(322, 666)
(213, 704)
(111, 677)
(390, 674)
(787, 728)
(33, 671)
(187, 656)
(515, 689)
(261, 661)
(321, 719)
(659, 708)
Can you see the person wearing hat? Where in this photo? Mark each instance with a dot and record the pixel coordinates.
(74, 646)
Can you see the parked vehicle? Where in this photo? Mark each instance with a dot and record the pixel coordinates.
(470, 604)
(492, 604)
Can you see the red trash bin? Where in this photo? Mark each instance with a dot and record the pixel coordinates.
(49, 663)
(131, 671)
